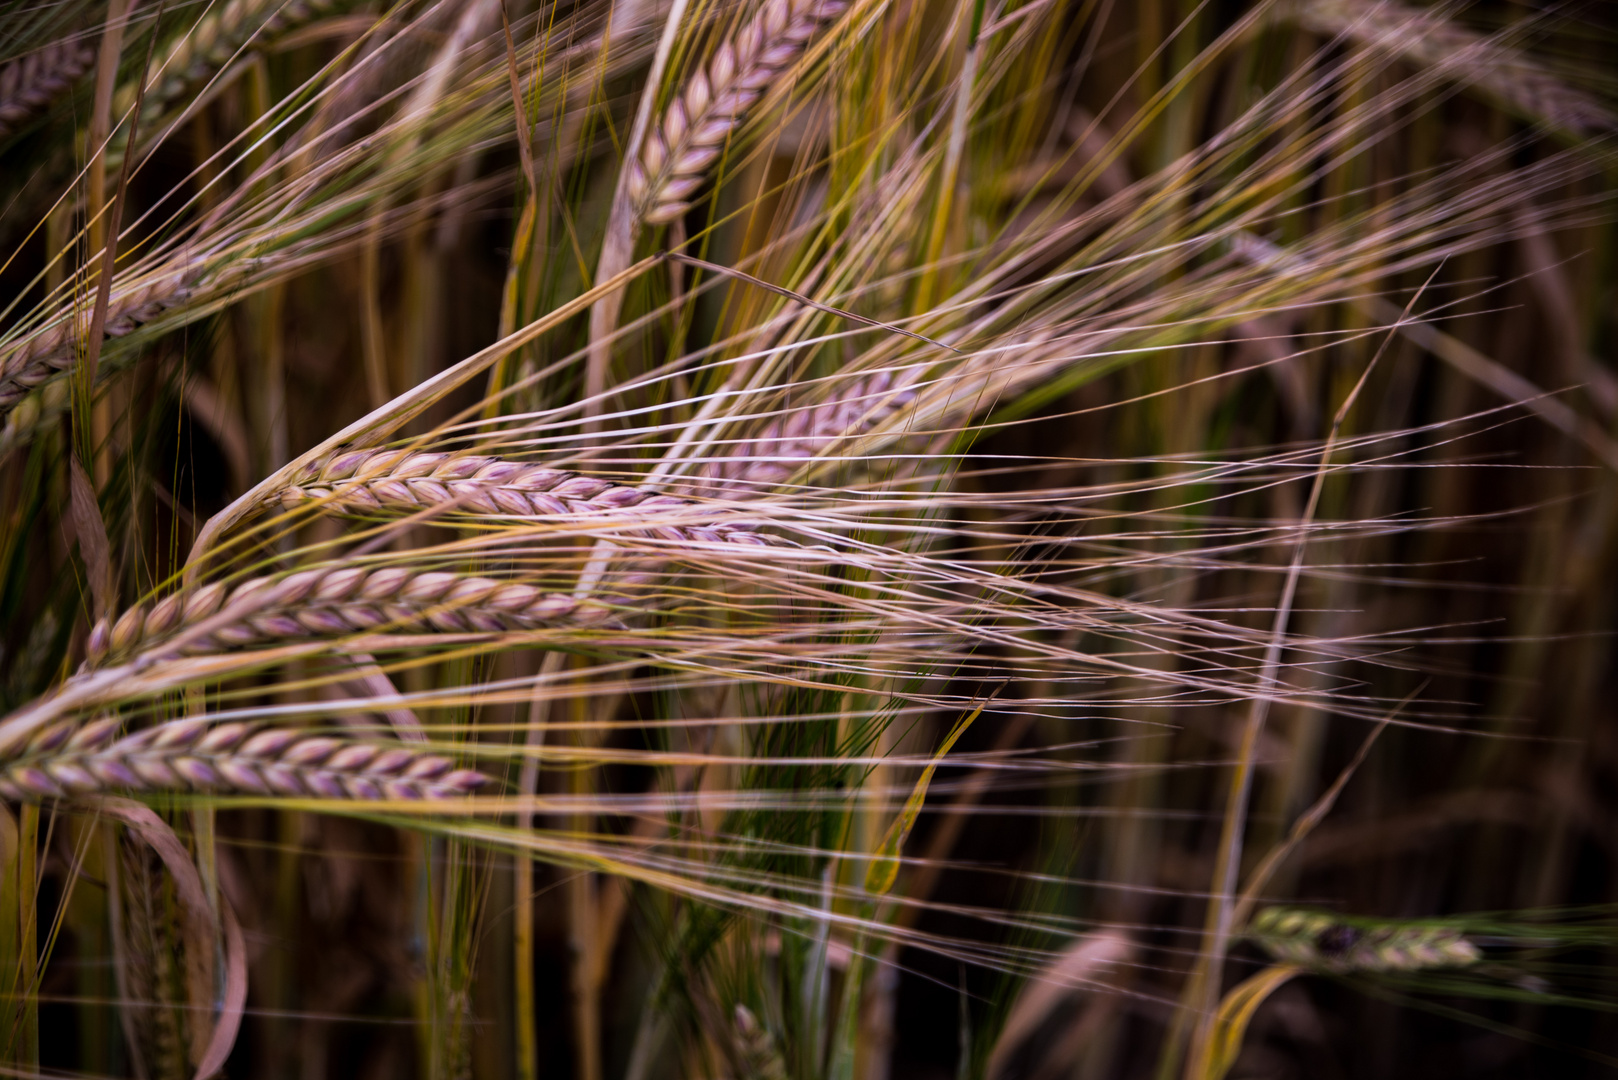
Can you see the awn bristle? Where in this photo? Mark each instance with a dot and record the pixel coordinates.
(1317, 940)
(333, 601)
(36, 357)
(680, 147)
(67, 759)
(1505, 73)
(29, 85)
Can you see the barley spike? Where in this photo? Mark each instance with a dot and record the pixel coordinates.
(372, 480)
(30, 84)
(332, 601)
(65, 760)
(692, 132)
(1318, 940)
(34, 358)
(775, 452)
(1510, 76)
(399, 480)
(211, 43)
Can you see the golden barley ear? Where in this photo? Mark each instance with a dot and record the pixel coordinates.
(67, 760)
(361, 481)
(36, 357)
(330, 601)
(675, 157)
(29, 85)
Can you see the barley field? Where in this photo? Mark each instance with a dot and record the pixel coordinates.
(808, 539)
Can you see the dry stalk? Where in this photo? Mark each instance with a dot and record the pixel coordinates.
(29, 85)
(67, 760)
(692, 133)
(326, 602)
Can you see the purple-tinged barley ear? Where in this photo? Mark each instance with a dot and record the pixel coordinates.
(310, 751)
(137, 740)
(463, 781)
(270, 744)
(391, 760)
(361, 787)
(401, 790)
(127, 630)
(428, 767)
(154, 772)
(352, 758)
(100, 638)
(72, 776)
(323, 784)
(165, 616)
(114, 773)
(95, 735)
(241, 776)
(35, 781)
(197, 773)
(12, 793)
(222, 738)
(282, 779)
(51, 738)
(180, 733)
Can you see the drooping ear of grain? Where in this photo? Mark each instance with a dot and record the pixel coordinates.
(691, 134)
(331, 601)
(35, 357)
(1492, 66)
(1317, 940)
(196, 754)
(392, 480)
(29, 85)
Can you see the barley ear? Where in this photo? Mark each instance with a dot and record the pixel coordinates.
(681, 146)
(30, 84)
(66, 761)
